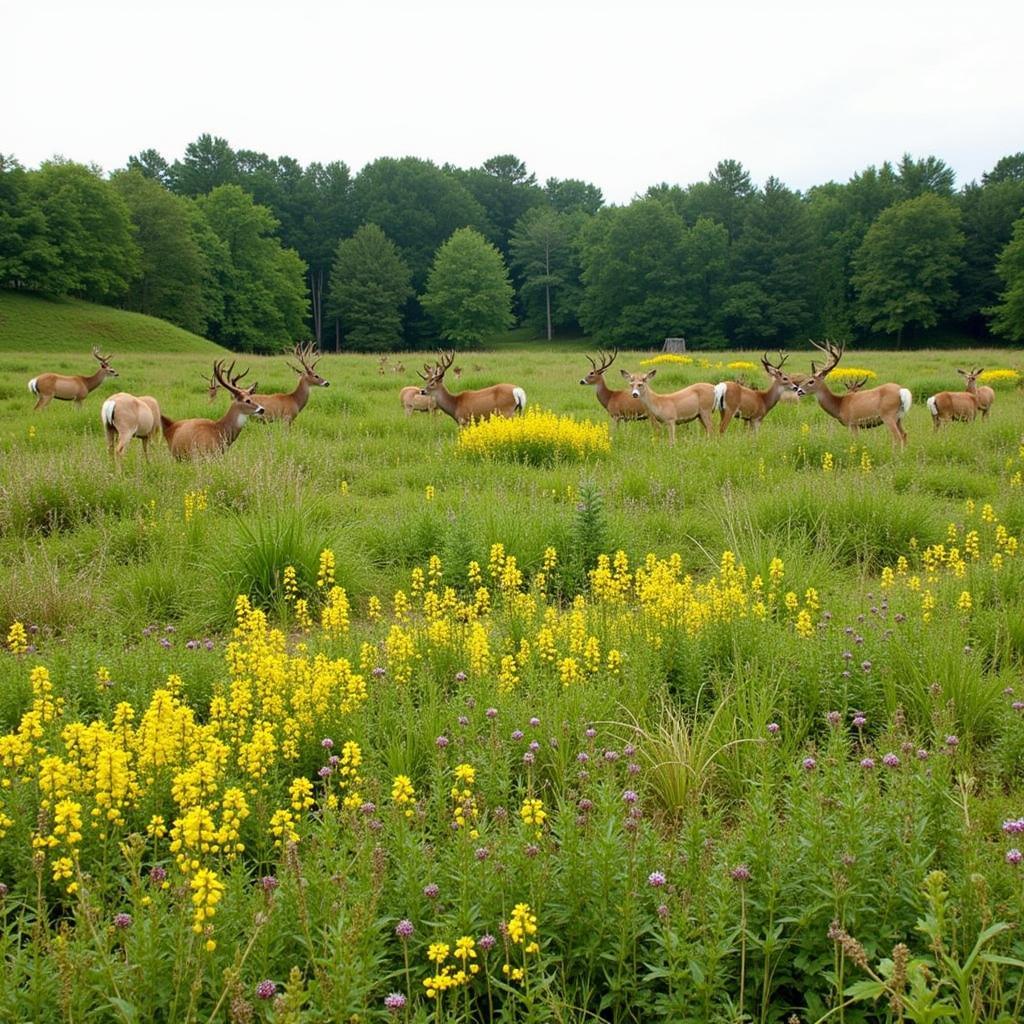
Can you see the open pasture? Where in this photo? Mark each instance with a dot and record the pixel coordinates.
(720, 783)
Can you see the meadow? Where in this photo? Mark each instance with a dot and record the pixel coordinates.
(355, 722)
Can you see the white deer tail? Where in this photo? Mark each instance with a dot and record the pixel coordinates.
(520, 396)
(720, 396)
(107, 412)
(906, 399)
(933, 407)
(33, 386)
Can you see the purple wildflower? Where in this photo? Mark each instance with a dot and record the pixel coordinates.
(517, 734)
(952, 742)
(463, 720)
(486, 942)
(269, 883)
(867, 763)
(535, 722)
(865, 666)
(773, 728)
(532, 850)
(891, 761)
(582, 757)
(628, 750)
(491, 712)
(586, 804)
(165, 643)
(482, 853)
(266, 990)
(192, 645)
(630, 796)
(122, 920)
(1013, 826)
(441, 742)
(922, 755)
(404, 928)
(327, 743)
(662, 910)
(529, 757)
(158, 875)
(208, 644)
(656, 879)
(394, 1002)
(367, 808)
(611, 755)
(431, 890)
(325, 772)
(834, 717)
(632, 768)
(1014, 856)
(460, 677)
(740, 873)
(379, 672)
(859, 721)
(590, 733)
(809, 764)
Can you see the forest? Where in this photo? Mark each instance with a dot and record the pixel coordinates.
(255, 252)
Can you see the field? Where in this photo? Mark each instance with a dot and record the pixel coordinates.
(720, 732)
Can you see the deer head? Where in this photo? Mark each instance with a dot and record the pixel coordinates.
(774, 370)
(240, 396)
(434, 377)
(307, 370)
(811, 384)
(596, 372)
(972, 377)
(212, 387)
(638, 381)
(104, 361)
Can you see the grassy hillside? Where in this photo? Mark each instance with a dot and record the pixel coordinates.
(31, 323)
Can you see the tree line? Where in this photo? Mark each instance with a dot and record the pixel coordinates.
(254, 251)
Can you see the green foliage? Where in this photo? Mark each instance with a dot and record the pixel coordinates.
(369, 285)
(905, 267)
(1008, 313)
(545, 259)
(506, 190)
(264, 291)
(468, 292)
(89, 229)
(27, 257)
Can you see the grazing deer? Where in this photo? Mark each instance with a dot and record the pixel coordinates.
(947, 406)
(212, 387)
(189, 438)
(286, 407)
(621, 405)
(413, 400)
(125, 416)
(692, 403)
(48, 386)
(887, 404)
(457, 371)
(497, 400)
(985, 395)
(735, 399)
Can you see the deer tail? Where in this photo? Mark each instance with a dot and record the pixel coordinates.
(720, 396)
(933, 406)
(107, 412)
(33, 386)
(520, 396)
(906, 399)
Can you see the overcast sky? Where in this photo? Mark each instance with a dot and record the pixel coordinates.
(622, 94)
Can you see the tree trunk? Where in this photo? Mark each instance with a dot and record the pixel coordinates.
(547, 287)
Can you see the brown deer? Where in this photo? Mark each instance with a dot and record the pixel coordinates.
(48, 386)
(497, 400)
(212, 387)
(735, 399)
(286, 407)
(125, 416)
(621, 405)
(985, 395)
(887, 404)
(692, 403)
(947, 406)
(413, 400)
(189, 438)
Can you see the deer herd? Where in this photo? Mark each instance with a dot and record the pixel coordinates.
(125, 416)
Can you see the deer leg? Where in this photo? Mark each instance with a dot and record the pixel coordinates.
(42, 402)
(705, 418)
(672, 432)
(727, 415)
(145, 447)
(111, 434)
(897, 433)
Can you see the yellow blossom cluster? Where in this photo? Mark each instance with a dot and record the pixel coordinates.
(451, 975)
(522, 929)
(537, 437)
(844, 373)
(993, 378)
(667, 359)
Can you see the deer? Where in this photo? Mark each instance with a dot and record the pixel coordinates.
(735, 399)
(413, 399)
(621, 405)
(947, 406)
(65, 388)
(190, 438)
(887, 404)
(287, 406)
(212, 387)
(498, 400)
(694, 402)
(125, 416)
(985, 395)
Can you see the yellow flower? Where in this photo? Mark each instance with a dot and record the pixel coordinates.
(17, 638)
(438, 952)
(532, 812)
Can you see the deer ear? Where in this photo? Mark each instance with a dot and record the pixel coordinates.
(650, 373)
(625, 373)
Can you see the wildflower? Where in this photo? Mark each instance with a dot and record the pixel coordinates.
(158, 875)
(438, 952)
(865, 666)
(431, 891)
(1014, 856)
(491, 713)
(773, 728)
(922, 755)
(535, 722)
(662, 910)
(531, 850)
(517, 735)
(404, 928)
(611, 756)
(867, 763)
(834, 718)
(486, 942)
(463, 721)
(529, 757)
(740, 873)
(859, 721)
(590, 733)
(394, 1002)
(441, 742)
(532, 812)
(266, 989)
(630, 796)
(122, 920)
(1011, 827)
(809, 764)
(891, 761)
(481, 853)
(656, 879)
(327, 743)
(952, 742)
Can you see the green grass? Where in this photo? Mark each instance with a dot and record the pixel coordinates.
(70, 327)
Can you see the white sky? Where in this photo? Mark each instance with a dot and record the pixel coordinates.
(622, 94)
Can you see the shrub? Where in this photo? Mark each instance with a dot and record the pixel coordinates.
(536, 438)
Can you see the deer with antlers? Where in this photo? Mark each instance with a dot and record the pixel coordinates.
(286, 407)
(985, 395)
(621, 405)
(964, 406)
(735, 399)
(212, 387)
(190, 438)
(66, 388)
(498, 400)
(125, 416)
(691, 403)
(887, 404)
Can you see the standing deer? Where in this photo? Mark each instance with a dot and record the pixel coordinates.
(189, 438)
(497, 400)
(413, 400)
(286, 407)
(212, 387)
(985, 395)
(887, 404)
(692, 403)
(947, 406)
(621, 405)
(48, 386)
(125, 416)
(735, 399)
